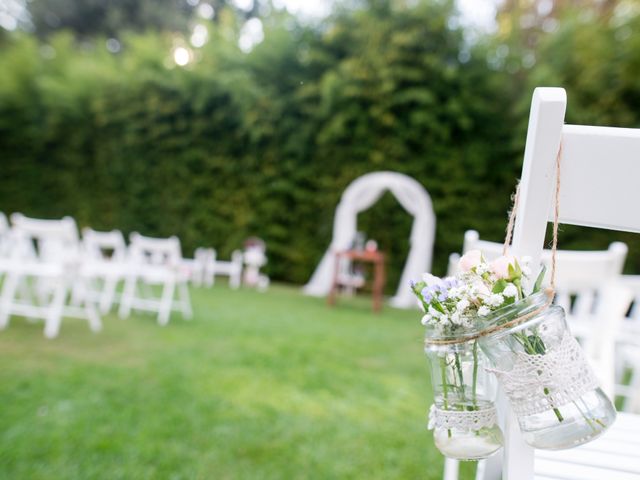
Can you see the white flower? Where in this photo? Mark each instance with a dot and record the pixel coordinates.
(455, 319)
(494, 300)
(526, 271)
(483, 268)
(426, 319)
(510, 291)
(479, 288)
(455, 292)
(462, 305)
(483, 311)
(433, 312)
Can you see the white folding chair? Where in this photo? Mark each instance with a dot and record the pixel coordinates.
(4, 235)
(199, 269)
(599, 172)
(208, 256)
(155, 262)
(232, 269)
(104, 265)
(628, 350)
(41, 268)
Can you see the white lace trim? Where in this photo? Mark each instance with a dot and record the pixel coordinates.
(538, 383)
(462, 419)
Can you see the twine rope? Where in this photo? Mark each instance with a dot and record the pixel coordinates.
(550, 291)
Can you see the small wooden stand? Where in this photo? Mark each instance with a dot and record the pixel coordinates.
(374, 257)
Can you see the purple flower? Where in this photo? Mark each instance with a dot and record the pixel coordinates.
(427, 294)
(443, 296)
(451, 282)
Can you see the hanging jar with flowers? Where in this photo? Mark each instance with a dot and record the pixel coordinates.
(539, 364)
(496, 306)
(463, 415)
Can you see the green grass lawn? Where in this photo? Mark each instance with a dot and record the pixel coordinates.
(256, 386)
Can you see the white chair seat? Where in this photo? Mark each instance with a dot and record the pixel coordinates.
(41, 269)
(614, 456)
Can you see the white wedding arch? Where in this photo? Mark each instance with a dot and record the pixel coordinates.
(361, 194)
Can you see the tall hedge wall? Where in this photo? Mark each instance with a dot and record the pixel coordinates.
(264, 143)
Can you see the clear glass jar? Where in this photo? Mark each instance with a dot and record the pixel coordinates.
(546, 377)
(463, 415)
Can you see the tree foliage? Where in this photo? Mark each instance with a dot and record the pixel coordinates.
(264, 143)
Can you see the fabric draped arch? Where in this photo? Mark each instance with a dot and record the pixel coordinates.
(361, 194)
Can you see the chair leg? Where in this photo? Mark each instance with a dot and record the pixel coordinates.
(25, 293)
(165, 302)
(451, 468)
(108, 294)
(9, 288)
(54, 316)
(95, 323)
(127, 296)
(234, 280)
(185, 301)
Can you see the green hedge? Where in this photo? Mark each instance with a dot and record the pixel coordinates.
(264, 143)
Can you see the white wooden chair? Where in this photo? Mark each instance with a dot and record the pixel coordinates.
(599, 172)
(628, 350)
(4, 235)
(155, 262)
(231, 269)
(200, 268)
(104, 265)
(41, 268)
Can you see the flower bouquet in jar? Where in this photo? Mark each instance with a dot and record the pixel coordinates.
(494, 315)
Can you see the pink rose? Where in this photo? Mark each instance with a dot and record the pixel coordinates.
(500, 266)
(470, 260)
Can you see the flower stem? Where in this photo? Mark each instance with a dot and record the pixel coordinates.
(458, 367)
(475, 375)
(445, 401)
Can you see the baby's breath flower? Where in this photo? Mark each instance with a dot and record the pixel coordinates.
(462, 305)
(483, 311)
(494, 300)
(510, 291)
(482, 268)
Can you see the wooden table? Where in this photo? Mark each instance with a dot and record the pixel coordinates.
(364, 256)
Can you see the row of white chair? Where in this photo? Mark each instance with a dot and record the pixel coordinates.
(50, 273)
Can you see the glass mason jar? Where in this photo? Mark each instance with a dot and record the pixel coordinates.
(463, 416)
(545, 375)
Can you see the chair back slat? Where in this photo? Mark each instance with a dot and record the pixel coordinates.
(598, 184)
(43, 240)
(104, 245)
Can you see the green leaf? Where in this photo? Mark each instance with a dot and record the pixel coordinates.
(499, 286)
(538, 345)
(538, 285)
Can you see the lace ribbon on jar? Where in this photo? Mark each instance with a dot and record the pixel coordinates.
(462, 419)
(538, 383)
